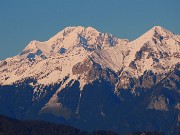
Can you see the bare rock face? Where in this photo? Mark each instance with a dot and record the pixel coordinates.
(148, 80)
(159, 103)
(92, 71)
(4, 63)
(177, 106)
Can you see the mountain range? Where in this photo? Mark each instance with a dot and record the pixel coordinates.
(96, 81)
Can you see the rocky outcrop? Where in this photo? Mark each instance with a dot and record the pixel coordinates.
(91, 71)
(158, 103)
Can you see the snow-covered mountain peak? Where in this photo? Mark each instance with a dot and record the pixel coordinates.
(91, 29)
(62, 42)
(157, 50)
(157, 32)
(81, 70)
(156, 36)
(158, 28)
(75, 35)
(74, 30)
(56, 57)
(69, 38)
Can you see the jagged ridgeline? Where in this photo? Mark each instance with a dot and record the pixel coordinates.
(96, 81)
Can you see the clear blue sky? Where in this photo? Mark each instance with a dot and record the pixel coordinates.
(24, 20)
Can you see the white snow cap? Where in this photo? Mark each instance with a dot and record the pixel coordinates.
(51, 61)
